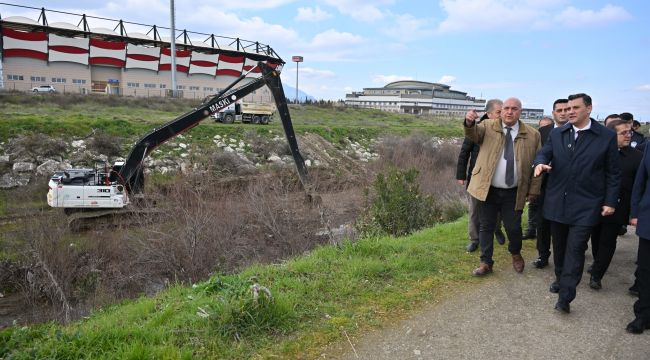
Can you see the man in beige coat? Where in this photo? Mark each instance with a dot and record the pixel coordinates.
(502, 179)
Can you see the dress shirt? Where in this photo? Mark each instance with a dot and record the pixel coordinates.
(499, 177)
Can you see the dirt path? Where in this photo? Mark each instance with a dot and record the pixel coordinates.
(511, 316)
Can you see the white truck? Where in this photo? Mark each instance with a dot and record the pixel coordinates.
(256, 113)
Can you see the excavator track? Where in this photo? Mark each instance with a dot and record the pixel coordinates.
(111, 218)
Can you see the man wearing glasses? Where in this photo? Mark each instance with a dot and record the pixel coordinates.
(603, 235)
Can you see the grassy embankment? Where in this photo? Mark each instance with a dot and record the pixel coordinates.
(128, 118)
(319, 298)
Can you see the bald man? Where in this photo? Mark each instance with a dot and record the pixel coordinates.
(502, 179)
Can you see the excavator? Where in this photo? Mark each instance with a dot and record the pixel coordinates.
(87, 194)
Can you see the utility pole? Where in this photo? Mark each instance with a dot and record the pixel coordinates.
(173, 48)
(297, 59)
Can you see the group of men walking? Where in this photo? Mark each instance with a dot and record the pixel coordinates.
(581, 180)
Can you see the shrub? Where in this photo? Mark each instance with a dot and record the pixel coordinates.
(396, 206)
(106, 144)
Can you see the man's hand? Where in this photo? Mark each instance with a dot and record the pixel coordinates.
(633, 221)
(471, 117)
(607, 211)
(531, 198)
(539, 169)
(461, 182)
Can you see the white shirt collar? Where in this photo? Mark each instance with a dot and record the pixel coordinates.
(514, 127)
(587, 127)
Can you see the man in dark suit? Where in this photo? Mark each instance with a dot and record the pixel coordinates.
(466, 160)
(560, 117)
(582, 186)
(603, 235)
(640, 217)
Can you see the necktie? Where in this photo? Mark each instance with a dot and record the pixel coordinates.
(577, 136)
(509, 156)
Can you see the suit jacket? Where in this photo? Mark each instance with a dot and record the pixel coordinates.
(466, 160)
(489, 135)
(544, 131)
(640, 202)
(637, 139)
(584, 176)
(629, 160)
(467, 156)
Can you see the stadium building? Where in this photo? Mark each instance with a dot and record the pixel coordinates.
(423, 98)
(85, 59)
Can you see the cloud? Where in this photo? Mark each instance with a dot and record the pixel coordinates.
(385, 79)
(360, 9)
(312, 15)
(644, 87)
(447, 79)
(573, 17)
(407, 28)
(231, 25)
(332, 45)
(513, 15)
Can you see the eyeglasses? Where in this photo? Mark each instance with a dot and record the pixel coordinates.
(625, 133)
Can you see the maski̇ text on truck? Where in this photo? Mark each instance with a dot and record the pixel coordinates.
(256, 113)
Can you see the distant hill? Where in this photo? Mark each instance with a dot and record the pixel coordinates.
(290, 93)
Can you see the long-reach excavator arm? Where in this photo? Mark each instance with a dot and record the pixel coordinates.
(91, 188)
(131, 173)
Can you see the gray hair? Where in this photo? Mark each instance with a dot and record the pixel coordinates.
(489, 106)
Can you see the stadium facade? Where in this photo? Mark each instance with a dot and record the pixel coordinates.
(84, 59)
(423, 98)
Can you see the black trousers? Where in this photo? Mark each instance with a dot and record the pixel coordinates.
(642, 306)
(533, 214)
(603, 246)
(503, 201)
(569, 246)
(543, 229)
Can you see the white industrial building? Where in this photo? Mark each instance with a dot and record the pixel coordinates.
(84, 59)
(423, 98)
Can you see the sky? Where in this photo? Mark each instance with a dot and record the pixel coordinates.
(535, 50)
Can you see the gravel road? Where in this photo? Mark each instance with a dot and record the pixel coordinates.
(511, 316)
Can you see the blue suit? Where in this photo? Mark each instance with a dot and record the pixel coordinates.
(585, 176)
(641, 211)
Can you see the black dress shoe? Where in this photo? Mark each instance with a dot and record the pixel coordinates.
(622, 231)
(529, 236)
(471, 247)
(501, 239)
(555, 287)
(594, 283)
(540, 263)
(637, 326)
(563, 307)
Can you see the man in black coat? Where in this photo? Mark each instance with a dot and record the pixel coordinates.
(603, 235)
(560, 117)
(466, 160)
(583, 184)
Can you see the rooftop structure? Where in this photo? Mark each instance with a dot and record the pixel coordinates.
(129, 59)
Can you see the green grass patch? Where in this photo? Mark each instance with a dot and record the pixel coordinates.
(315, 299)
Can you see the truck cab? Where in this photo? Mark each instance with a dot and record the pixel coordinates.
(256, 113)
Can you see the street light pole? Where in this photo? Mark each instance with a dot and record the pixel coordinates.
(173, 47)
(297, 59)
